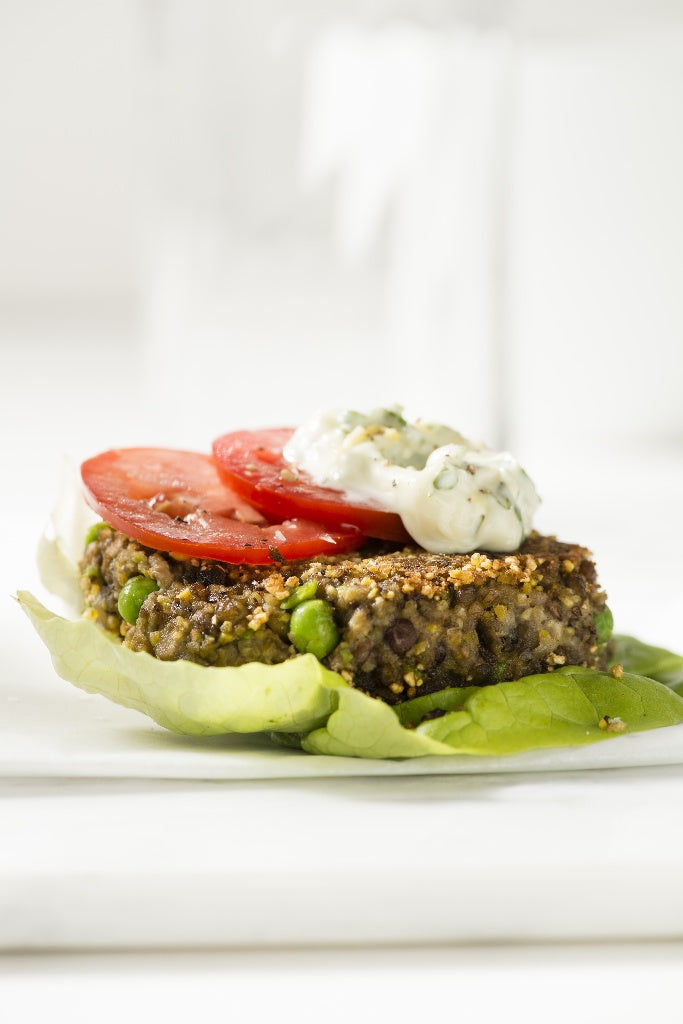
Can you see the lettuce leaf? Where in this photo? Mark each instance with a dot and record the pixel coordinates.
(315, 708)
(645, 660)
(570, 707)
(295, 696)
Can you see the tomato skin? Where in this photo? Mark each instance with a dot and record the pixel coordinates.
(251, 462)
(175, 501)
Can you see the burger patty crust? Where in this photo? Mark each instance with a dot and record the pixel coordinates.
(409, 622)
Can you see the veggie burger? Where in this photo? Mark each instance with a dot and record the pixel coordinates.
(359, 564)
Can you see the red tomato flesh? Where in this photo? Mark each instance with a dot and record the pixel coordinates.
(175, 501)
(251, 462)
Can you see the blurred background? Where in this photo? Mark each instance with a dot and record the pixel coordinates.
(216, 214)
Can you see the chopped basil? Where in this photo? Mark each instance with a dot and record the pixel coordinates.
(446, 479)
(391, 418)
(503, 498)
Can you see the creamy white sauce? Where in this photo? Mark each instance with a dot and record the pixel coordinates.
(453, 495)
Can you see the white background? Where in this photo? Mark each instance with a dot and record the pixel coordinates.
(218, 214)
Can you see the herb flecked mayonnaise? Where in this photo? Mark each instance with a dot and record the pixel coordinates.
(452, 495)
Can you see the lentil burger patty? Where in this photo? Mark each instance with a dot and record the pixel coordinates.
(409, 622)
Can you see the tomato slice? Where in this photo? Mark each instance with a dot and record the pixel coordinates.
(251, 462)
(175, 501)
